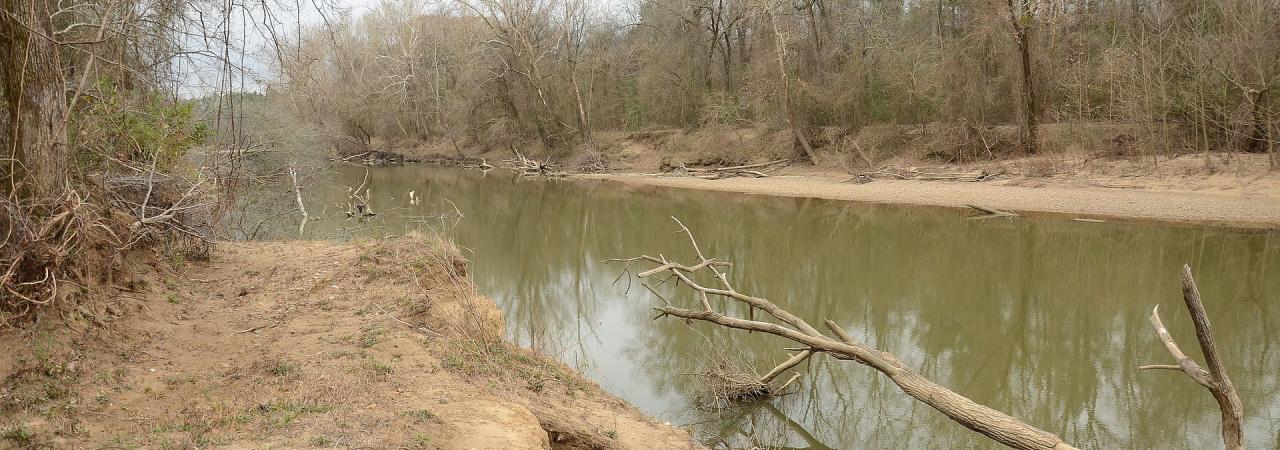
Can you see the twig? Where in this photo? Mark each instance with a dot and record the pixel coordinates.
(421, 329)
(259, 327)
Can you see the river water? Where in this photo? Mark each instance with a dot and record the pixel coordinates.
(1045, 319)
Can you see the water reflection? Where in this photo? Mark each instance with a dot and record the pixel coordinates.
(1046, 320)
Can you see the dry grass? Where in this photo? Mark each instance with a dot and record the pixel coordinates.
(724, 379)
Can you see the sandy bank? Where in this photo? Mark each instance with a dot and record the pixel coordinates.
(1258, 208)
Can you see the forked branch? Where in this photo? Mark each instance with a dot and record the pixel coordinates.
(992, 423)
(1215, 379)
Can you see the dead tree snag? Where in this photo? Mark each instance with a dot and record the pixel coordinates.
(1215, 379)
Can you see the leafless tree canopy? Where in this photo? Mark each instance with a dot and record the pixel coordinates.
(1185, 75)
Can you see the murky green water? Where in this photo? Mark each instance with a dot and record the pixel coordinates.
(1044, 319)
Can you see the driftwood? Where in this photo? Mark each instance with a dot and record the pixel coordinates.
(992, 423)
(745, 170)
(989, 422)
(1215, 379)
(741, 167)
(989, 212)
(528, 167)
(890, 172)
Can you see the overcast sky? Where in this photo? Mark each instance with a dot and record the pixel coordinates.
(203, 76)
(251, 40)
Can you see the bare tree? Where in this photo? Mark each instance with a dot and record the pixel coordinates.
(1022, 19)
(789, 113)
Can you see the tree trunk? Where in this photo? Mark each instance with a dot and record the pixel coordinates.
(727, 64)
(35, 97)
(1259, 142)
(584, 124)
(1022, 34)
(1032, 142)
(788, 111)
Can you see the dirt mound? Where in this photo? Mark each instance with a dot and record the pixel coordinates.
(381, 344)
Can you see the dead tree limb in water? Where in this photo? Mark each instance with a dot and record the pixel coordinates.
(297, 192)
(990, 212)
(989, 422)
(1215, 379)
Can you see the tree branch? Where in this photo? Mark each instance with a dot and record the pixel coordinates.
(989, 422)
(1215, 379)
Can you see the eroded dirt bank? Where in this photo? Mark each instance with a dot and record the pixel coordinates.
(382, 344)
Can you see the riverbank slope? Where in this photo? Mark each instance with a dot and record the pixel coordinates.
(378, 344)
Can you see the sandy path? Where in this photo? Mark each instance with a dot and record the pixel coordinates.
(1244, 210)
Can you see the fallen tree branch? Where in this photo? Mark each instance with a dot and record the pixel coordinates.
(990, 212)
(989, 422)
(1215, 379)
(890, 172)
(737, 168)
(297, 192)
(420, 329)
(528, 167)
(717, 173)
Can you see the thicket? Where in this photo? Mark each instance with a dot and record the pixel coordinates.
(97, 158)
(1177, 76)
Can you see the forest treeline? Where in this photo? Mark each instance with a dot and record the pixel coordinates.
(1182, 75)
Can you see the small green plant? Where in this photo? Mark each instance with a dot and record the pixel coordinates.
(174, 299)
(421, 415)
(281, 368)
(612, 434)
(283, 414)
(54, 391)
(378, 367)
(422, 440)
(371, 336)
(321, 441)
(174, 380)
(18, 434)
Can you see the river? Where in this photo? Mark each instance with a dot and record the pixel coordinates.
(1045, 319)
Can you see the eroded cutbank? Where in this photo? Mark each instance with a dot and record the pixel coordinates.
(376, 344)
